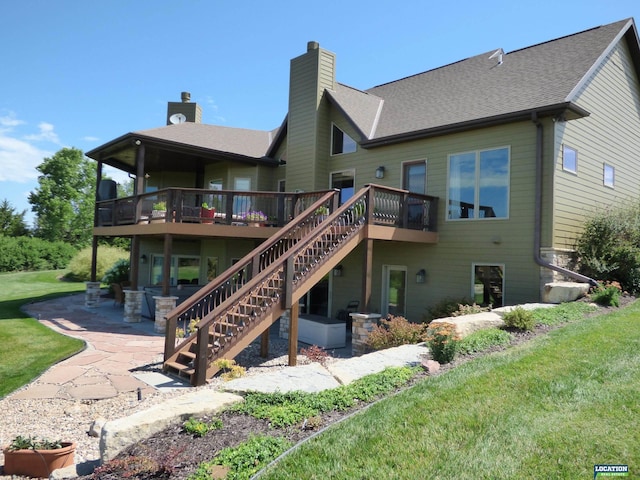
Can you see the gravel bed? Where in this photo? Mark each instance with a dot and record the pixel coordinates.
(56, 418)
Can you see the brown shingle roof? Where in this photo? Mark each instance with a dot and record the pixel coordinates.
(479, 88)
(240, 141)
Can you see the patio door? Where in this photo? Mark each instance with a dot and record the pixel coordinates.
(345, 181)
(414, 179)
(394, 290)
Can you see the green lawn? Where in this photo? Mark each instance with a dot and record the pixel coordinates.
(549, 409)
(28, 348)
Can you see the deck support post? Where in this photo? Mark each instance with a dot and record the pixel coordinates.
(293, 334)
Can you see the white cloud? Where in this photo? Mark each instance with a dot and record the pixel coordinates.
(90, 139)
(18, 157)
(46, 134)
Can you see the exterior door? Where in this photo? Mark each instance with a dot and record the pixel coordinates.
(414, 179)
(345, 181)
(394, 288)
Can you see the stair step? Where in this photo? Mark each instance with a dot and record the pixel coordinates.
(188, 354)
(181, 368)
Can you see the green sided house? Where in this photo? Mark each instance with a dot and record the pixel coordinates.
(470, 180)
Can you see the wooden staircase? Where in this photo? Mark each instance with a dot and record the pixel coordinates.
(244, 301)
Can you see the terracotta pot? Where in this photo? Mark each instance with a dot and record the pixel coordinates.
(207, 214)
(38, 463)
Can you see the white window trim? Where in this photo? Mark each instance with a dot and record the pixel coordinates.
(477, 180)
(488, 264)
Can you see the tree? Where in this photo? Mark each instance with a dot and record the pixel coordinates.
(64, 201)
(12, 223)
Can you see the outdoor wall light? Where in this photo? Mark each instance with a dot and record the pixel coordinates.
(143, 259)
(421, 276)
(380, 172)
(337, 271)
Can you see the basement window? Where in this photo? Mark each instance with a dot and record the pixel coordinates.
(341, 142)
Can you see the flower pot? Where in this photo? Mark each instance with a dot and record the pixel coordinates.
(207, 215)
(255, 224)
(38, 463)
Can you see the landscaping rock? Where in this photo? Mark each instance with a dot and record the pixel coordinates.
(467, 324)
(118, 434)
(96, 427)
(559, 292)
(430, 366)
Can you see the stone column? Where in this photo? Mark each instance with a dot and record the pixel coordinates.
(362, 324)
(283, 331)
(163, 306)
(133, 306)
(92, 295)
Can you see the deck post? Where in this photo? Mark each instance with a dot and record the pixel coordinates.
(293, 334)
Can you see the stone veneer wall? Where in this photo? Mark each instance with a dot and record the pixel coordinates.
(361, 326)
(163, 306)
(555, 256)
(92, 295)
(133, 306)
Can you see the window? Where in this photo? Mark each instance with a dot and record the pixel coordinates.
(184, 270)
(569, 159)
(345, 181)
(488, 285)
(341, 142)
(479, 184)
(414, 179)
(609, 176)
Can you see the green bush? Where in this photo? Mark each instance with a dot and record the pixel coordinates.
(442, 341)
(607, 295)
(80, 265)
(118, 272)
(483, 340)
(464, 309)
(393, 332)
(26, 253)
(609, 247)
(520, 318)
(200, 428)
(445, 308)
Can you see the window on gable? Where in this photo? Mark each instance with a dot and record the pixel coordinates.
(569, 159)
(609, 176)
(341, 142)
(479, 184)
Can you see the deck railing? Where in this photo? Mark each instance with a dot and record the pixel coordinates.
(391, 207)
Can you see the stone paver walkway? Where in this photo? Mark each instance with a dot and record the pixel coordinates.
(114, 349)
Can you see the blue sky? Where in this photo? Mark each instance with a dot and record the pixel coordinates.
(78, 73)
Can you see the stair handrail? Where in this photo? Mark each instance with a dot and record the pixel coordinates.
(202, 302)
(355, 211)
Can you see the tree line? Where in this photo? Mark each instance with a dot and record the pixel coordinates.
(63, 206)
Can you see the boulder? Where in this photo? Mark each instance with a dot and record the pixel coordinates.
(467, 324)
(560, 292)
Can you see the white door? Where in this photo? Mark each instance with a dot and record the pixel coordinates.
(394, 288)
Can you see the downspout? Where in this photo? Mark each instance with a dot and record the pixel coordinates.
(537, 237)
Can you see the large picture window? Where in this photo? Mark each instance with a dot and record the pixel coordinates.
(479, 184)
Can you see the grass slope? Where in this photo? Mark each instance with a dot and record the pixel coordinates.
(551, 408)
(27, 347)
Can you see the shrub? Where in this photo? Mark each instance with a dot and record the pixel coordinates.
(445, 308)
(315, 354)
(442, 341)
(80, 265)
(229, 369)
(464, 309)
(393, 332)
(607, 295)
(609, 247)
(118, 272)
(26, 253)
(520, 319)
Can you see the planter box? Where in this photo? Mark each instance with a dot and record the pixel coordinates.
(38, 463)
(207, 215)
